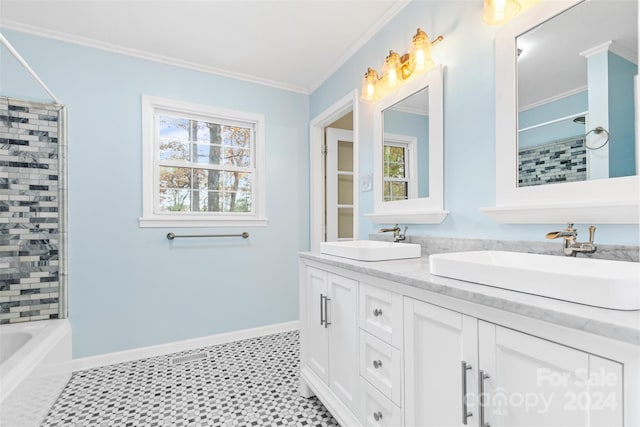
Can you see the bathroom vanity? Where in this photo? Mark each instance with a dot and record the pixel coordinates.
(388, 344)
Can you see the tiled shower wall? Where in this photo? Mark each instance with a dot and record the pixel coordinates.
(31, 215)
(561, 161)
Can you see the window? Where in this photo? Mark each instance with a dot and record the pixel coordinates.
(202, 166)
(399, 169)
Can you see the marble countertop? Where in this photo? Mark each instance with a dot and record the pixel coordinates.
(617, 324)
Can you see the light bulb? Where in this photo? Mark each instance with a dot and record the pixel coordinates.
(498, 12)
(390, 69)
(369, 90)
(420, 52)
(419, 59)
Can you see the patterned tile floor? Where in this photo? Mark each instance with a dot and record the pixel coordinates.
(252, 382)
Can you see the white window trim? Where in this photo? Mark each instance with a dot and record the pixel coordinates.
(150, 176)
(410, 144)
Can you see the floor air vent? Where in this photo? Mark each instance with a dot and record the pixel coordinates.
(188, 358)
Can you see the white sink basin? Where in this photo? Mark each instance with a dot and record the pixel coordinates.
(370, 250)
(601, 283)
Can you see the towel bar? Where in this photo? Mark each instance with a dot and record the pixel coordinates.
(244, 235)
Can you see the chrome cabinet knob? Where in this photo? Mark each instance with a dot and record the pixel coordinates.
(377, 364)
(377, 416)
(377, 312)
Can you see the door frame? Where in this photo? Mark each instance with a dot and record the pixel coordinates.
(348, 103)
(332, 191)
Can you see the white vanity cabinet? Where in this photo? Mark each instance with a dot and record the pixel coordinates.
(463, 371)
(383, 353)
(330, 333)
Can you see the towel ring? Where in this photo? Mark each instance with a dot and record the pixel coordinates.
(597, 130)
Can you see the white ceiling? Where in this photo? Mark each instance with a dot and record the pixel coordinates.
(297, 44)
(292, 44)
(551, 63)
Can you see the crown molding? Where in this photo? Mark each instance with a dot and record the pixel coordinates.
(411, 110)
(613, 47)
(368, 35)
(141, 54)
(553, 98)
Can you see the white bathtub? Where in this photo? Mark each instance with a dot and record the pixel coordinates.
(34, 368)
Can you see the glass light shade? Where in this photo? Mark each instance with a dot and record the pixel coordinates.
(370, 91)
(498, 12)
(420, 52)
(391, 69)
(526, 4)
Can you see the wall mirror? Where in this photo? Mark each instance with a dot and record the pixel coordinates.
(408, 180)
(566, 119)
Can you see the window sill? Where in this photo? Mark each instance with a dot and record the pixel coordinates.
(164, 222)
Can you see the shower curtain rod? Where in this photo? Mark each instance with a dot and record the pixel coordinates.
(22, 62)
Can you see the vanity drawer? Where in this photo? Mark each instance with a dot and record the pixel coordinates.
(377, 410)
(381, 313)
(380, 365)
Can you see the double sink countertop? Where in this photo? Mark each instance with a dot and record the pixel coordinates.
(615, 324)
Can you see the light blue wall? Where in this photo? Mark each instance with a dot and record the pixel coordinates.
(467, 53)
(622, 158)
(128, 286)
(416, 125)
(570, 105)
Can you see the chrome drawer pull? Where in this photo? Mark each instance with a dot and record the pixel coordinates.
(464, 367)
(377, 312)
(377, 364)
(481, 377)
(326, 312)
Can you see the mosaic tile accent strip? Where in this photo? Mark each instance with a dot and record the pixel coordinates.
(29, 211)
(560, 161)
(251, 382)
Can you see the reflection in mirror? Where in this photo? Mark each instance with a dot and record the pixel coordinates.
(575, 74)
(405, 148)
(402, 119)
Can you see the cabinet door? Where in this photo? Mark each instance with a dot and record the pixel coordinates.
(437, 341)
(531, 381)
(316, 333)
(343, 339)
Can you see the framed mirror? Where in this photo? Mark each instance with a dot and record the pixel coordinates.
(566, 119)
(408, 138)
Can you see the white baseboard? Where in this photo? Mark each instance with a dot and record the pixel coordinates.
(176, 346)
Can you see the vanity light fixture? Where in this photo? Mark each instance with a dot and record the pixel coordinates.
(498, 12)
(399, 68)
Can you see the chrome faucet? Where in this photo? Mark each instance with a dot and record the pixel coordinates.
(571, 247)
(397, 235)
